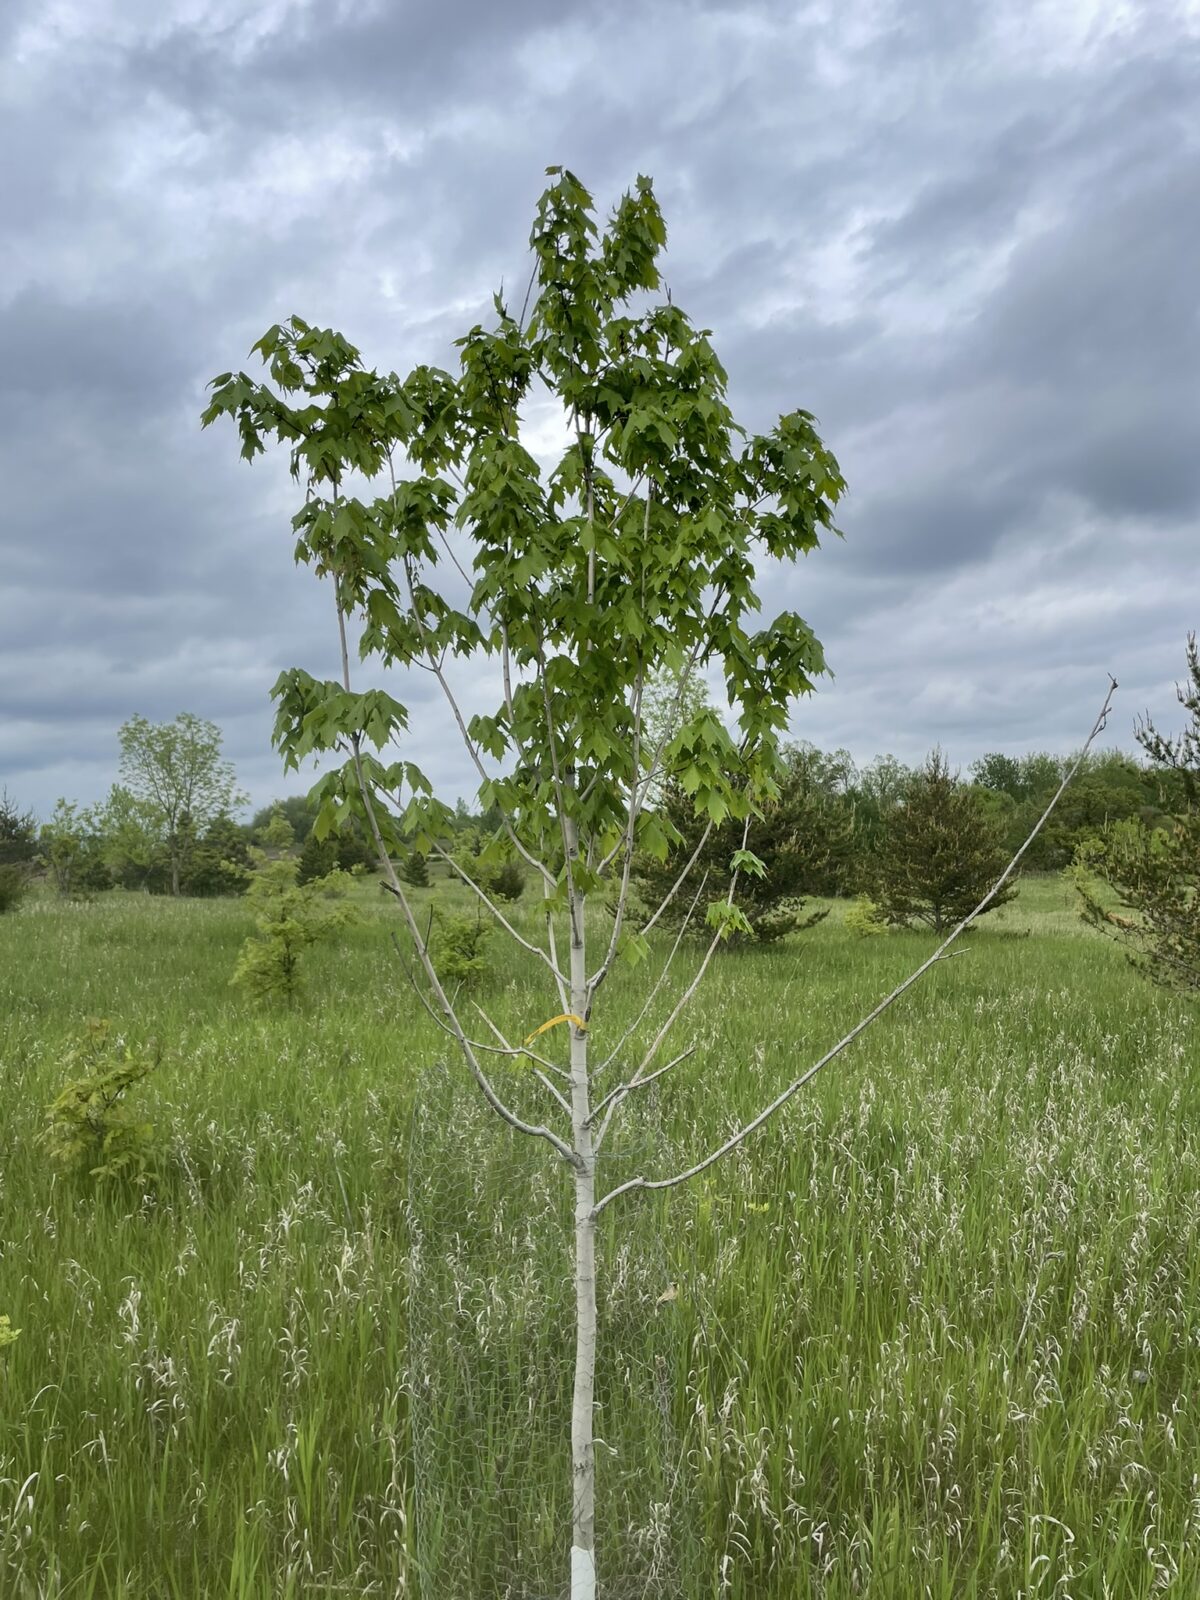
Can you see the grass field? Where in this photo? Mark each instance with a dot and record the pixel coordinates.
(934, 1333)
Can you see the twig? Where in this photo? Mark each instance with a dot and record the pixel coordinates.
(534, 1130)
(534, 949)
(657, 985)
(782, 1099)
(513, 1050)
(619, 1093)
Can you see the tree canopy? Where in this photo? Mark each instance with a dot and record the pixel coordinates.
(175, 774)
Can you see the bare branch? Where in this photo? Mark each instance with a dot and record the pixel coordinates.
(605, 966)
(511, 1052)
(510, 1049)
(566, 824)
(782, 1099)
(639, 791)
(436, 667)
(534, 1130)
(495, 911)
(614, 1096)
(685, 998)
(514, 1051)
(680, 880)
(552, 946)
(657, 985)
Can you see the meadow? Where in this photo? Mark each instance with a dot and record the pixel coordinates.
(934, 1332)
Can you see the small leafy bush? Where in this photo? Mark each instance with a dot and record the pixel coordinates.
(14, 881)
(91, 1128)
(8, 1334)
(458, 948)
(865, 919)
(290, 917)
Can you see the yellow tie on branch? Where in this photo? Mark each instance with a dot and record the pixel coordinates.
(564, 1016)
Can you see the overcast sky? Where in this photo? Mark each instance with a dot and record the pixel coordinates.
(966, 235)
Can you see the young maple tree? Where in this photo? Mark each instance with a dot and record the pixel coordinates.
(633, 555)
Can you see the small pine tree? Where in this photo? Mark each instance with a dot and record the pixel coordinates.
(506, 881)
(415, 870)
(18, 847)
(14, 881)
(940, 852)
(290, 917)
(317, 859)
(1154, 873)
(773, 904)
(18, 833)
(219, 863)
(354, 853)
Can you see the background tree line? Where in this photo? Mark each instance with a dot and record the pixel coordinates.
(918, 840)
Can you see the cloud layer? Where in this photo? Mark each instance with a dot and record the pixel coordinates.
(965, 235)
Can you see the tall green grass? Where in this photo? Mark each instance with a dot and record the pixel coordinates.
(934, 1332)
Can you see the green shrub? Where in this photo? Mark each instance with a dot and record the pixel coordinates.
(91, 1129)
(291, 916)
(8, 1334)
(458, 947)
(865, 919)
(72, 849)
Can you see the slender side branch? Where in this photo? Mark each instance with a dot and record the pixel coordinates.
(552, 946)
(614, 1096)
(639, 789)
(534, 1130)
(436, 667)
(639, 1077)
(630, 831)
(566, 823)
(680, 880)
(794, 1088)
(512, 1050)
(494, 910)
(657, 985)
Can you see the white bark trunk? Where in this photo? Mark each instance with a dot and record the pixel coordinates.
(583, 1457)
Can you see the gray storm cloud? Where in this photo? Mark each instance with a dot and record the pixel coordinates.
(964, 235)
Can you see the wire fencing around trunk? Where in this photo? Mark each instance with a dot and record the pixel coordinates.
(491, 1362)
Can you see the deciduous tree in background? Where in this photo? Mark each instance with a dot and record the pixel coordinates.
(635, 554)
(175, 771)
(72, 846)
